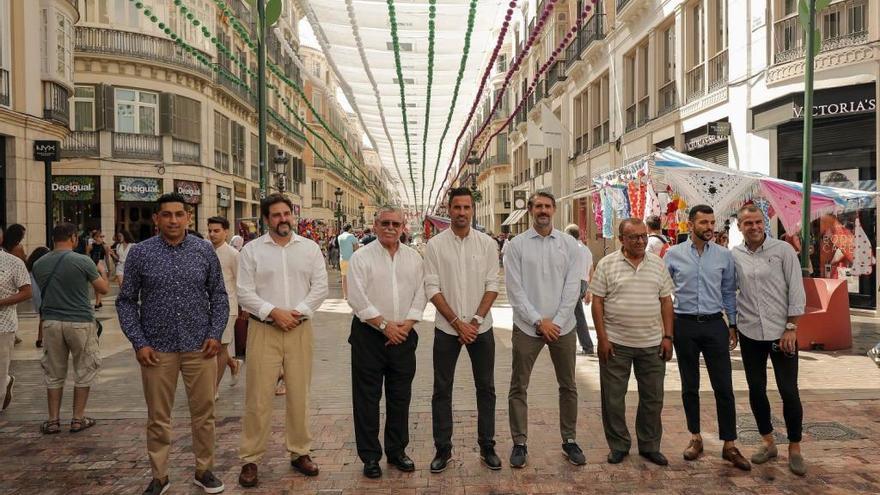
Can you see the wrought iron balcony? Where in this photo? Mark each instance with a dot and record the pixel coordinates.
(81, 144)
(136, 45)
(592, 30)
(555, 74)
(55, 105)
(840, 25)
(137, 146)
(667, 98)
(695, 83)
(4, 87)
(718, 71)
(186, 151)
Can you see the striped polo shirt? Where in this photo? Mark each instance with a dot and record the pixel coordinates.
(632, 298)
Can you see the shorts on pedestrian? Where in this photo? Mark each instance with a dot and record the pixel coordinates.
(78, 340)
(229, 331)
(343, 267)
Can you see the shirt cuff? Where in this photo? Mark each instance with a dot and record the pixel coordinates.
(535, 318)
(369, 313)
(796, 310)
(264, 311)
(304, 309)
(492, 287)
(558, 321)
(731, 319)
(414, 314)
(432, 291)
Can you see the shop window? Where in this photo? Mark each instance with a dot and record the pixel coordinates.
(136, 111)
(83, 103)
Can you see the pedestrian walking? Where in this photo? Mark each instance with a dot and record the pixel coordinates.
(96, 250)
(632, 311)
(542, 268)
(36, 295)
(173, 308)
(705, 291)
(218, 233)
(122, 249)
(582, 328)
(347, 243)
(368, 237)
(70, 330)
(461, 280)
(387, 298)
(770, 302)
(15, 287)
(282, 281)
(12, 241)
(658, 243)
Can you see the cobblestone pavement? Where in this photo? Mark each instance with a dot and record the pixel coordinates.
(841, 394)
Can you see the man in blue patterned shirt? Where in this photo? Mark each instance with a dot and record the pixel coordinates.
(173, 308)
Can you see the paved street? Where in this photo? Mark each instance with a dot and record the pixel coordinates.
(841, 394)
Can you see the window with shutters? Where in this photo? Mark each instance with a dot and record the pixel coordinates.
(137, 112)
(501, 148)
(83, 106)
(666, 92)
(255, 158)
(238, 156)
(187, 119)
(221, 142)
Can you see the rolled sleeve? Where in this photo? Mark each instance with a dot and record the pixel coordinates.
(797, 298)
(492, 282)
(358, 275)
(317, 286)
(417, 308)
(246, 285)
(432, 272)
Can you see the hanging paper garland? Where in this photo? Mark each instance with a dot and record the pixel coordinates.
(395, 42)
(432, 14)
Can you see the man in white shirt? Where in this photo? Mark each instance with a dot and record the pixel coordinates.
(543, 275)
(461, 279)
(387, 296)
(582, 327)
(282, 282)
(15, 287)
(218, 231)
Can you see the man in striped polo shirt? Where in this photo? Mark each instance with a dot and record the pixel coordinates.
(632, 312)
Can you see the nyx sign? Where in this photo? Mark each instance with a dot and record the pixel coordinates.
(47, 151)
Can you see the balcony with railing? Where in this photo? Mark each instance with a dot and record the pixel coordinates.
(235, 89)
(840, 25)
(666, 98)
(555, 74)
(592, 30)
(695, 83)
(81, 144)
(4, 87)
(718, 71)
(642, 116)
(136, 146)
(55, 105)
(136, 45)
(631, 121)
(186, 151)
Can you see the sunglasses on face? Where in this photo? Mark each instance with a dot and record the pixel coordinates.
(390, 223)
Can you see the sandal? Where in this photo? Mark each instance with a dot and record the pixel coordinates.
(50, 427)
(78, 425)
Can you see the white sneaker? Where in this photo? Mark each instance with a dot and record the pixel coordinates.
(236, 371)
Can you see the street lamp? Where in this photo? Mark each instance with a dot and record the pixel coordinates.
(361, 211)
(338, 214)
(280, 162)
(473, 161)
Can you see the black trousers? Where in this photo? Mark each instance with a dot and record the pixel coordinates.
(372, 363)
(754, 356)
(712, 339)
(482, 354)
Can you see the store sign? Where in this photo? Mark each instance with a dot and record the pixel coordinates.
(240, 190)
(224, 195)
(191, 191)
(47, 151)
(718, 128)
(519, 200)
(138, 189)
(703, 141)
(74, 187)
(827, 103)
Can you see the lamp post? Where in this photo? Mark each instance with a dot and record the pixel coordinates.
(474, 162)
(338, 214)
(280, 162)
(361, 213)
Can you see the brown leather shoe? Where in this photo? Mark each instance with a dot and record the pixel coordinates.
(693, 451)
(734, 457)
(248, 477)
(304, 465)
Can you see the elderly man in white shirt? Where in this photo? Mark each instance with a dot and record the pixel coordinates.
(386, 294)
(542, 269)
(461, 279)
(282, 282)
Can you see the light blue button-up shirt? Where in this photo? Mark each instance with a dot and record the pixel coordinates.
(704, 284)
(543, 277)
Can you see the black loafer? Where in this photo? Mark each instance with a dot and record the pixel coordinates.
(655, 457)
(616, 456)
(490, 458)
(403, 463)
(372, 469)
(441, 461)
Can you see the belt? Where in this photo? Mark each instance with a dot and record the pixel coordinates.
(265, 322)
(699, 318)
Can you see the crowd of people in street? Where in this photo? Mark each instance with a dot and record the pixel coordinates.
(181, 298)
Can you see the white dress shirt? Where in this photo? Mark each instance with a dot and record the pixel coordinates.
(228, 257)
(379, 285)
(543, 276)
(463, 270)
(290, 277)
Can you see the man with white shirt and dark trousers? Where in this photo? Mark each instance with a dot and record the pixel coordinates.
(282, 281)
(543, 275)
(581, 326)
(461, 280)
(387, 296)
(770, 302)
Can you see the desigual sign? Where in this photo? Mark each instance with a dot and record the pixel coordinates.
(191, 191)
(138, 189)
(74, 187)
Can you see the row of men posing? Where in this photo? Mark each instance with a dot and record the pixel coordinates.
(174, 308)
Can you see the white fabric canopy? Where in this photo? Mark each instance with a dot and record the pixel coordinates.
(355, 36)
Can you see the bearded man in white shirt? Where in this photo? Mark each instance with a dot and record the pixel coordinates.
(461, 279)
(282, 282)
(387, 297)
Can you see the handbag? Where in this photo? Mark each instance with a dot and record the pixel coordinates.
(44, 288)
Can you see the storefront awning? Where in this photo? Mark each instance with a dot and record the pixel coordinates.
(514, 217)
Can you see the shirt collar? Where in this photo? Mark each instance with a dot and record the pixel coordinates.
(294, 238)
(187, 239)
(534, 233)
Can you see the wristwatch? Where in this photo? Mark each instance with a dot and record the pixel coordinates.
(383, 326)
(479, 319)
(668, 337)
(790, 327)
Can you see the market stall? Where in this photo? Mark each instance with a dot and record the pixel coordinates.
(433, 225)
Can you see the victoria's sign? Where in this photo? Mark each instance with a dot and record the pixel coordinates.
(838, 108)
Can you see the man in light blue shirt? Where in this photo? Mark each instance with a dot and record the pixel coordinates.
(704, 274)
(543, 275)
(347, 245)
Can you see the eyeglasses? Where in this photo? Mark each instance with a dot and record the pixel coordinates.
(636, 237)
(389, 223)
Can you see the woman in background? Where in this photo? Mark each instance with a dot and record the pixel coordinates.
(122, 249)
(97, 250)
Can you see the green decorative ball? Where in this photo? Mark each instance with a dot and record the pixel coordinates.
(148, 12)
(139, 5)
(154, 18)
(161, 25)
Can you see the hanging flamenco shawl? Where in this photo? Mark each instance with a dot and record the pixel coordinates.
(722, 191)
(607, 214)
(596, 203)
(787, 200)
(863, 259)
